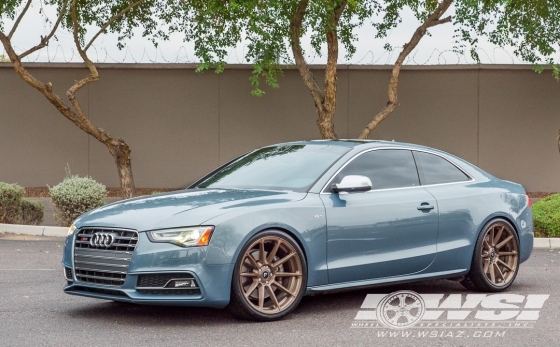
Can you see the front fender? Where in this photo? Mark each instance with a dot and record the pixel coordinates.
(304, 220)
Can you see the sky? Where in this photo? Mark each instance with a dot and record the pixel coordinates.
(436, 49)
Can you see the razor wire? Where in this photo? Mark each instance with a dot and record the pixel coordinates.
(101, 54)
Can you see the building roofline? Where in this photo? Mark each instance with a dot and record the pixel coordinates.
(191, 66)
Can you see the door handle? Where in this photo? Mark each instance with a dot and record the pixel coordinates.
(425, 207)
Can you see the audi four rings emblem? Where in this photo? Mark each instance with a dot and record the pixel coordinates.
(102, 240)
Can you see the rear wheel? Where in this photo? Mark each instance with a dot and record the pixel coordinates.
(496, 258)
(269, 278)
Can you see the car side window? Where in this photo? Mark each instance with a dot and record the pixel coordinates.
(385, 168)
(434, 169)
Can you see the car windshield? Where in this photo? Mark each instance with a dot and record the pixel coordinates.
(285, 167)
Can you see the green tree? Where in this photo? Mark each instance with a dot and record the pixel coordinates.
(87, 21)
(274, 29)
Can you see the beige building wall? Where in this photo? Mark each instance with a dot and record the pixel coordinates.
(181, 124)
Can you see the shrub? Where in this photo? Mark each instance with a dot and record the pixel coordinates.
(32, 212)
(10, 202)
(546, 216)
(75, 196)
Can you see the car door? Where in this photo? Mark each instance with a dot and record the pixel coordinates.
(390, 230)
(459, 200)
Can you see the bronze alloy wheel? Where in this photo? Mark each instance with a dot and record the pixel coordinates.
(500, 254)
(269, 277)
(496, 258)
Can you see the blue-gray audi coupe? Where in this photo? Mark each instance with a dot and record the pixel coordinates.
(288, 220)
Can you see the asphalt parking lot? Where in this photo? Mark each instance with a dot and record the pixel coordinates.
(35, 312)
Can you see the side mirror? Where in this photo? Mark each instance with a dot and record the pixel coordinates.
(352, 183)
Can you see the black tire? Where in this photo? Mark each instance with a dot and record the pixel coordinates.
(478, 279)
(243, 303)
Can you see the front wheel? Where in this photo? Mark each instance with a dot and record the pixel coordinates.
(496, 258)
(269, 278)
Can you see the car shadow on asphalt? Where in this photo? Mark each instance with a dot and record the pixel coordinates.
(346, 303)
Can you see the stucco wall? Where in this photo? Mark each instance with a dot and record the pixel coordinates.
(181, 124)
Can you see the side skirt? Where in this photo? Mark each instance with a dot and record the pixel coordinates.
(385, 281)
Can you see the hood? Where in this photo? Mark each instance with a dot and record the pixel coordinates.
(182, 208)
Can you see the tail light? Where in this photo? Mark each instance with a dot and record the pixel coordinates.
(529, 203)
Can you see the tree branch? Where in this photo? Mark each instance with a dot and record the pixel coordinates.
(18, 20)
(440, 21)
(93, 74)
(46, 90)
(84, 123)
(305, 72)
(45, 40)
(111, 21)
(432, 20)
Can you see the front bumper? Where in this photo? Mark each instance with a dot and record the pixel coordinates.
(214, 281)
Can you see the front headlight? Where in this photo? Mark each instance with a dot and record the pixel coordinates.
(184, 237)
(71, 229)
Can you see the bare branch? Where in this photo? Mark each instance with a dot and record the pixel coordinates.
(111, 21)
(558, 140)
(16, 24)
(432, 20)
(93, 75)
(440, 21)
(35, 83)
(45, 40)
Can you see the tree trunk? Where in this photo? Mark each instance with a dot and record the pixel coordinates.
(432, 20)
(325, 101)
(118, 147)
(121, 154)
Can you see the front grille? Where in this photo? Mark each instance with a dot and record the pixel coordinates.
(160, 280)
(100, 264)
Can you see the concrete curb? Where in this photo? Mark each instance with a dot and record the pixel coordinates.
(553, 242)
(38, 230)
(35, 230)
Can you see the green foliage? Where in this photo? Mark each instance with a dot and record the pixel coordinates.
(530, 27)
(75, 196)
(8, 10)
(32, 212)
(10, 202)
(16, 210)
(117, 16)
(546, 216)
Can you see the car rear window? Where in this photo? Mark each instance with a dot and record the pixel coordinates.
(434, 169)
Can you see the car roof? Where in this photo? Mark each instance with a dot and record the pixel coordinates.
(355, 143)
